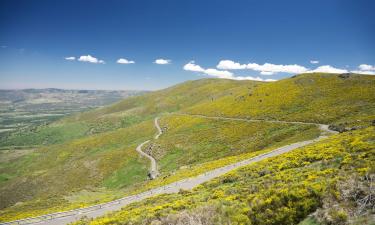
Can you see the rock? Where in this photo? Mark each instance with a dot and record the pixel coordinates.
(339, 128)
(344, 75)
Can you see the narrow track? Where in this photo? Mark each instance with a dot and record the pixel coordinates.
(154, 167)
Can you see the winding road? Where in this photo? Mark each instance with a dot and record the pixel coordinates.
(189, 183)
(154, 167)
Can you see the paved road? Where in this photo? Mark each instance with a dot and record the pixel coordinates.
(189, 183)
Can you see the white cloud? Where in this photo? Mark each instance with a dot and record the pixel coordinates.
(363, 72)
(230, 65)
(162, 61)
(266, 73)
(265, 69)
(4, 46)
(366, 67)
(90, 59)
(269, 67)
(253, 78)
(219, 73)
(327, 69)
(125, 61)
(70, 58)
(314, 61)
(191, 66)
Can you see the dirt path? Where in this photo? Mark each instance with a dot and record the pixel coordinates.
(322, 127)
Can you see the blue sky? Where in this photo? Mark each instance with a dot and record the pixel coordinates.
(264, 40)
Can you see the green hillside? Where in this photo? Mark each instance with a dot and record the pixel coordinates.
(90, 157)
(322, 98)
(125, 113)
(280, 190)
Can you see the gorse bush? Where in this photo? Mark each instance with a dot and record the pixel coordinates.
(280, 190)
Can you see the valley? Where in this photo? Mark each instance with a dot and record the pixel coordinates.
(24, 110)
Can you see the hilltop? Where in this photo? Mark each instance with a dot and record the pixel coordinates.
(97, 161)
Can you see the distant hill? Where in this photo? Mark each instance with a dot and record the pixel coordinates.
(25, 108)
(55, 99)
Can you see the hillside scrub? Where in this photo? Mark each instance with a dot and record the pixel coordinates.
(318, 98)
(280, 190)
(113, 163)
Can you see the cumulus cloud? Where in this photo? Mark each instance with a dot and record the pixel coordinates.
(70, 58)
(367, 72)
(125, 61)
(327, 69)
(314, 61)
(366, 67)
(253, 78)
(225, 74)
(265, 69)
(90, 59)
(266, 73)
(191, 66)
(162, 61)
(273, 68)
(219, 73)
(230, 65)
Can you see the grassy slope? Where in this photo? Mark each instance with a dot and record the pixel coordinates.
(191, 140)
(87, 163)
(125, 113)
(113, 166)
(323, 98)
(280, 190)
(84, 167)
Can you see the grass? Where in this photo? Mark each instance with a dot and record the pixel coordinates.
(89, 157)
(280, 190)
(109, 160)
(133, 172)
(322, 98)
(309, 221)
(201, 140)
(46, 135)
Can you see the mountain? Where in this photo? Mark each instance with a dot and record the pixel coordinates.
(90, 157)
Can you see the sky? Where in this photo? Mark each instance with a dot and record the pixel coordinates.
(149, 45)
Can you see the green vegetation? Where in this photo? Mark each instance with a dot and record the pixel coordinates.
(52, 134)
(90, 157)
(108, 162)
(42, 178)
(280, 190)
(322, 98)
(24, 114)
(191, 140)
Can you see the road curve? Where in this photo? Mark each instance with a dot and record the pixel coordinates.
(154, 167)
(189, 183)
